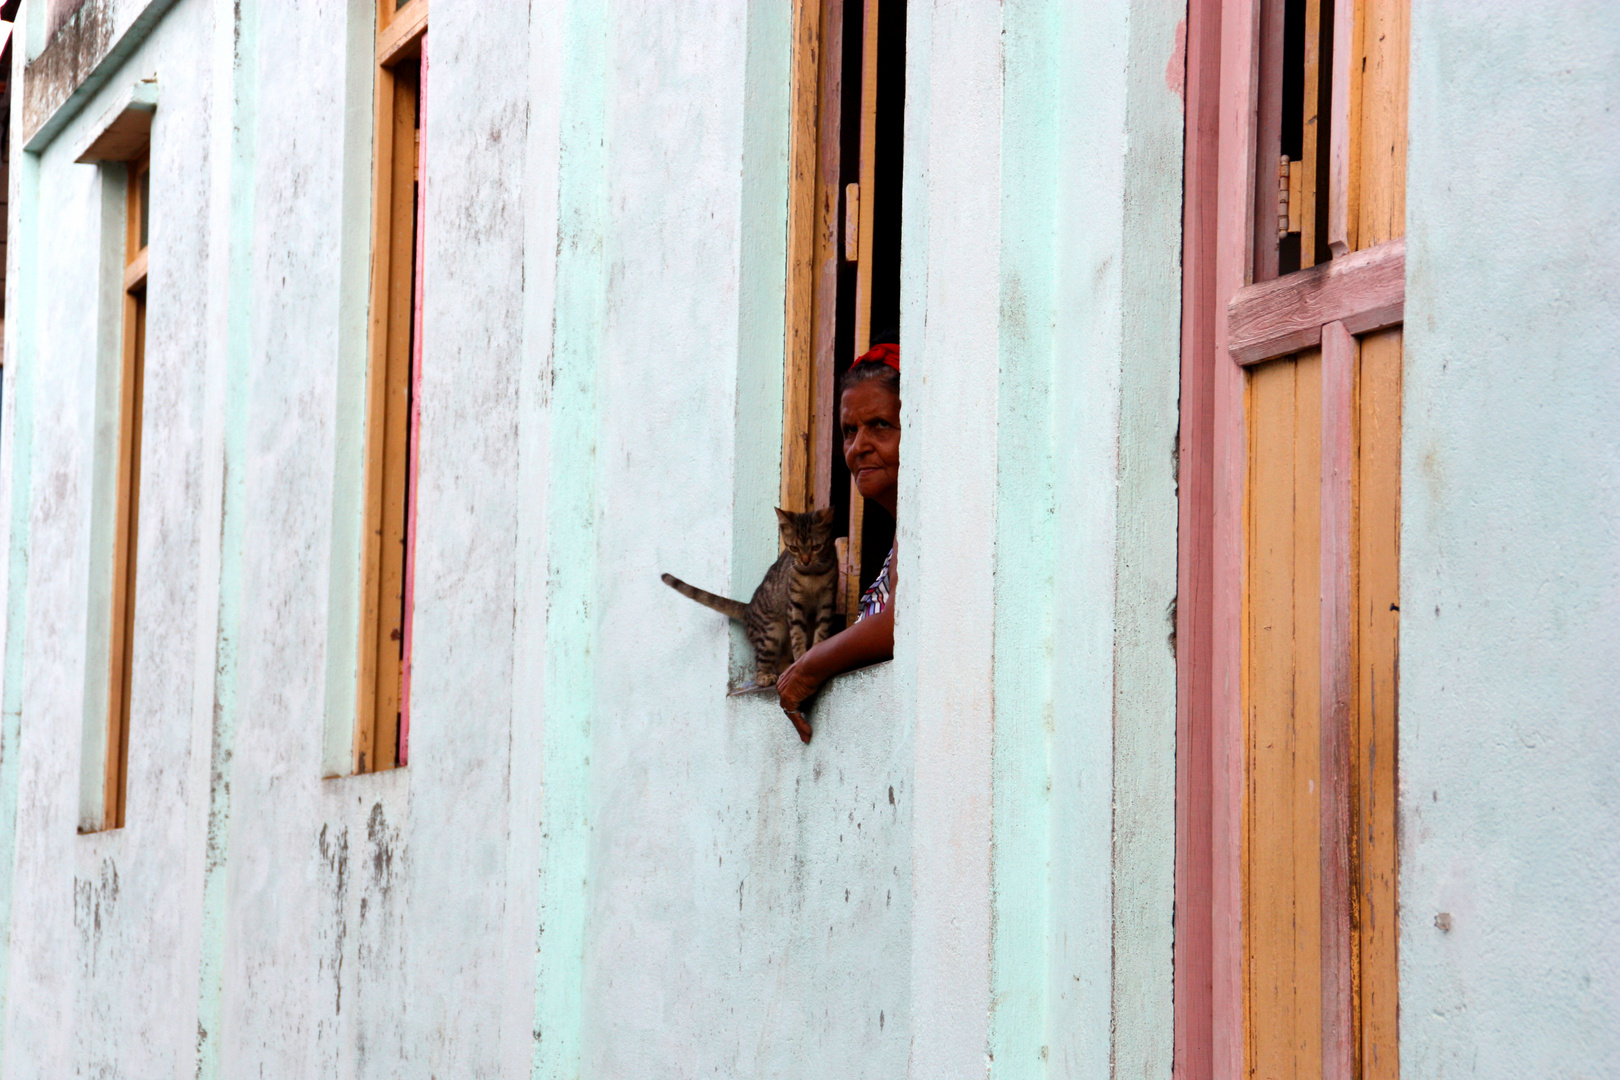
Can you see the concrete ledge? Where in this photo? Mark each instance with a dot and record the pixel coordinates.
(123, 130)
(78, 61)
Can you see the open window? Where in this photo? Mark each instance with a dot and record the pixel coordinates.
(843, 277)
(121, 149)
(382, 727)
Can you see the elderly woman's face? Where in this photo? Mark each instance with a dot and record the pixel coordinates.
(870, 415)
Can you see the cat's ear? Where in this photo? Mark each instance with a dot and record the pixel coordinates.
(783, 518)
(824, 516)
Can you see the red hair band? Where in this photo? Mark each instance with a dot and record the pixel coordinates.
(886, 353)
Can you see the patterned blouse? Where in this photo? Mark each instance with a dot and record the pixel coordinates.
(876, 597)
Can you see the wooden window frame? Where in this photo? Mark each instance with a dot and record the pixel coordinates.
(131, 401)
(382, 707)
(1238, 313)
(820, 237)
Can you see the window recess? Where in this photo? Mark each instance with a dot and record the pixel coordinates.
(382, 728)
(843, 279)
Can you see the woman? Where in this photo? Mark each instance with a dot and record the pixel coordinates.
(869, 414)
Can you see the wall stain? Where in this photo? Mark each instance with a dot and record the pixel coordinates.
(76, 46)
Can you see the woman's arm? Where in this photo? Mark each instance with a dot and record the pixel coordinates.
(867, 642)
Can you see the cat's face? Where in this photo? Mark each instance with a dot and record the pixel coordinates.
(808, 536)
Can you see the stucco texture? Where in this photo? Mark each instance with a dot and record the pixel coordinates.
(1510, 544)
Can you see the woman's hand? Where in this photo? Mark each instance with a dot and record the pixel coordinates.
(799, 681)
(867, 642)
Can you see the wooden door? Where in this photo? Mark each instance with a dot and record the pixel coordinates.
(1291, 504)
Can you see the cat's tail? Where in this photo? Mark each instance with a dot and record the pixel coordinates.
(735, 609)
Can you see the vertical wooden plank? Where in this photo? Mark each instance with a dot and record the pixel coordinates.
(1337, 664)
(1268, 136)
(1194, 1032)
(1232, 255)
(1342, 137)
(1282, 880)
(415, 421)
(863, 270)
(798, 387)
(1310, 182)
(1380, 159)
(1380, 215)
(382, 203)
(829, 159)
(1377, 616)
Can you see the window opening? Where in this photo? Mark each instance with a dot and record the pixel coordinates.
(382, 729)
(131, 394)
(851, 264)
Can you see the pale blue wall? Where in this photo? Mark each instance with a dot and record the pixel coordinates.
(1510, 544)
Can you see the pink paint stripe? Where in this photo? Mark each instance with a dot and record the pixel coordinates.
(416, 414)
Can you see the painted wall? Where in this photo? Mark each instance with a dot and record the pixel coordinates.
(596, 864)
(1510, 630)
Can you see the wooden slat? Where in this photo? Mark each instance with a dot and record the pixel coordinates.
(1342, 138)
(798, 389)
(399, 35)
(1377, 613)
(1195, 572)
(1365, 290)
(1282, 873)
(1380, 217)
(863, 269)
(1232, 256)
(1337, 663)
(135, 273)
(1310, 182)
(402, 753)
(1268, 136)
(829, 161)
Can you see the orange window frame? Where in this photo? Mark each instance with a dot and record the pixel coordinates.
(382, 727)
(131, 393)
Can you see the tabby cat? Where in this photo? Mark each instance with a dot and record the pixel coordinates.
(793, 607)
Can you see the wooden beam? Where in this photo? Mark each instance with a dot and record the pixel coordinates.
(401, 33)
(1365, 290)
(1338, 675)
(829, 162)
(798, 388)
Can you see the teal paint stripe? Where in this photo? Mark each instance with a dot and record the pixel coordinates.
(19, 442)
(761, 314)
(571, 555)
(238, 346)
(1025, 544)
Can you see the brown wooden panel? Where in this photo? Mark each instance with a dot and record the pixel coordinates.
(1281, 854)
(1365, 290)
(798, 384)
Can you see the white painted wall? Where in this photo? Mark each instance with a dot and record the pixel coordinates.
(595, 863)
(1510, 544)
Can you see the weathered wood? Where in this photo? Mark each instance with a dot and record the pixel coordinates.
(1239, 26)
(1282, 877)
(829, 160)
(1380, 216)
(1195, 570)
(415, 419)
(135, 273)
(1310, 182)
(798, 388)
(852, 223)
(1344, 95)
(1377, 608)
(1268, 135)
(1365, 290)
(398, 36)
(1337, 663)
(863, 269)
